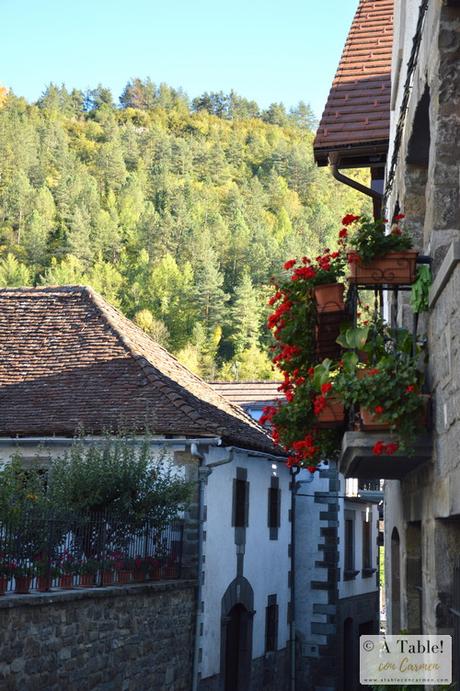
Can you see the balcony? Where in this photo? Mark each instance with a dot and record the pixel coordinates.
(368, 491)
(358, 458)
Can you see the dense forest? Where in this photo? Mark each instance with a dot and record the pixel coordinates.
(177, 211)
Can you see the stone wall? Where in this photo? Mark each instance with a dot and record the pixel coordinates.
(138, 637)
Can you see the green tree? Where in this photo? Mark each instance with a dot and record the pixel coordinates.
(245, 315)
(13, 273)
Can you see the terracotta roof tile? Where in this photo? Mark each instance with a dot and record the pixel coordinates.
(357, 111)
(69, 360)
(246, 392)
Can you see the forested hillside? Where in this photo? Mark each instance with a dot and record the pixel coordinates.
(178, 212)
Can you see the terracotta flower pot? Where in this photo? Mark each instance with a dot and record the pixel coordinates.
(124, 577)
(329, 297)
(43, 583)
(155, 573)
(66, 581)
(107, 577)
(391, 269)
(3, 584)
(333, 413)
(87, 580)
(372, 422)
(22, 585)
(139, 575)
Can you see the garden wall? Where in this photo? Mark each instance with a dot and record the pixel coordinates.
(136, 637)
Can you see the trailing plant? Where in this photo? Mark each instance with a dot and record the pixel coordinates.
(367, 239)
(420, 292)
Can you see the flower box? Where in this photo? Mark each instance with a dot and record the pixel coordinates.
(329, 297)
(394, 268)
(332, 415)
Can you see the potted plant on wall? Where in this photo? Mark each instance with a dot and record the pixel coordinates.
(376, 257)
(68, 567)
(23, 573)
(88, 570)
(45, 571)
(6, 572)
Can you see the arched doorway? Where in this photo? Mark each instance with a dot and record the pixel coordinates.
(236, 636)
(395, 583)
(237, 649)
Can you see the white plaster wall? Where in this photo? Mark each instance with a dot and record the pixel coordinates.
(358, 585)
(266, 562)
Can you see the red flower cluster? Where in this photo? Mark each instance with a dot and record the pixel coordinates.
(304, 272)
(286, 354)
(319, 403)
(380, 448)
(353, 258)
(349, 219)
(275, 318)
(378, 409)
(289, 264)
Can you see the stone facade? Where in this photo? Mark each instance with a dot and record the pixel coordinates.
(422, 511)
(139, 637)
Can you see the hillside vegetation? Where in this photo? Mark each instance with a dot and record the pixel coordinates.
(178, 213)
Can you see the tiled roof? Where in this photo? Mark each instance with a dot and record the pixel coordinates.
(244, 393)
(69, 360)
(358, 108)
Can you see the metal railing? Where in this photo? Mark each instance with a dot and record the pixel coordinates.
(40, 551)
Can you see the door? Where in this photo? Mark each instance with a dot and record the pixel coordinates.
(237, 650)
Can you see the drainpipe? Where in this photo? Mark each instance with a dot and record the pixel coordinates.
(294, 471)
(204, 471)
(334, 162)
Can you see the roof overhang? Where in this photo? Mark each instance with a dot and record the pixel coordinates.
(371, 155)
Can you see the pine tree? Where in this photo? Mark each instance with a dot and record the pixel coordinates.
(245, 316)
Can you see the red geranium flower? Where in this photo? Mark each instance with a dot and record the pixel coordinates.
(378, 448)
(399, 217)
(391, 448)
(349, 219)
(378, 409)
(325, 388)
(343, 233)
(289, 264)
(410, 388)
(311, 371)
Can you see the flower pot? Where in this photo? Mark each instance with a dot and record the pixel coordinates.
(66, 581)
(87, 580)
(372, 422)
(107, 577)
(3, 584)
(332, 415)
(43, 583)
(394, 268)
(169, 571)
(329, 297)
(139, 575)
(22, 585)
(124, 577)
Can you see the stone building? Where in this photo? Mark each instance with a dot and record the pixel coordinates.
(71, 362)
(395, 102)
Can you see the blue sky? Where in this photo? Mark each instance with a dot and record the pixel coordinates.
(267, 50)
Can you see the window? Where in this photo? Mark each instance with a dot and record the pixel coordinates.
(274, 501)
(271, 624)
(349, 570)
(367, 544)
(240, 499)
